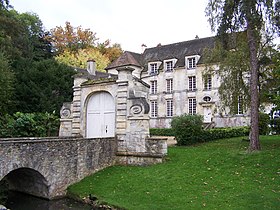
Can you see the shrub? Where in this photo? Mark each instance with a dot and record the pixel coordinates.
(263, 123)
(275, 125)
(29, 125)
(187, 128)
(162, 132)
(223, 133)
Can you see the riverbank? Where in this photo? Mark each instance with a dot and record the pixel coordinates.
(216, 175)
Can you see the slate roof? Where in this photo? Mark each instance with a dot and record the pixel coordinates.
(98, 75)
(127, 58)
(164, 52)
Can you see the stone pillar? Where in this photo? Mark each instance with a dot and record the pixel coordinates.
(76, 130)
(66, 119)
(132, 128)
(124, 75)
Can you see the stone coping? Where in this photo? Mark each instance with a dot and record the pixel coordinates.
(140, 154)
(47, 139)
(157, 138)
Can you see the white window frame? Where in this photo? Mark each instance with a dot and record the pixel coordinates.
(153, 87)
(192, 83)
(192, 106)
(154, 109)
(240, 105)
(169, 85)
(153, 68)
(168, 66)
(169, 108)
(191, 62)
(208, 82)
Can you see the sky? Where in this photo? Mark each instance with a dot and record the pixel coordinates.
(129, 23)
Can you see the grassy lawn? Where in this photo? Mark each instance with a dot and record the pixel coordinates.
(214, 175)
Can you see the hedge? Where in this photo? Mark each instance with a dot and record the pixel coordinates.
(214, 134)
(162, 132)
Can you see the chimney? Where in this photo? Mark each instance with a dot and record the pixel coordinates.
(91, 67)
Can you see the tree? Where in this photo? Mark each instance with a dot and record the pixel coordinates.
(111, 51)
(233, 72)
(71, 38)
(270, 78)
(255, 17)
(39, 47)
(79, 59)
(42, 86)
(6, 84)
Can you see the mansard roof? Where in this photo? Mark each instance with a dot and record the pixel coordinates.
(164, 52)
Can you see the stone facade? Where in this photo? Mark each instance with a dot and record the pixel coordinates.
(179, 83)
(130, 96)
(45, 167)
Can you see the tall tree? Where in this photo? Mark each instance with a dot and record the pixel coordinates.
(6, 84)
(71, 38)
(255, 17)
(111, 51)
(42, 86)
(79, 59)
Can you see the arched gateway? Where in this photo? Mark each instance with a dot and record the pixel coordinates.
(100, 116)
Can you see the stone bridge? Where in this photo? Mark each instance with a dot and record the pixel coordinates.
(45, 167)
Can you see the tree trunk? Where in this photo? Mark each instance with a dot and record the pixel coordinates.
(254, 133)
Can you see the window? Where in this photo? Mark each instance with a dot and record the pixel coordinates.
(207, 99)
(169, 108)
(192, 83)
(208, 82)
(191, 63)
(169, 85)
(192, 106)
(154, 109)
(168, 66)
(153, 87)
(240, 105)
(153, 68)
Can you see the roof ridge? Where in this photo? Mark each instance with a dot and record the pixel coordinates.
(176, 43)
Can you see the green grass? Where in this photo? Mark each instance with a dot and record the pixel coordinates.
(214, 175)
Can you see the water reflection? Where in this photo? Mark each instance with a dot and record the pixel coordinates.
(20, 201)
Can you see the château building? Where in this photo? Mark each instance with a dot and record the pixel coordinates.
(179, 83)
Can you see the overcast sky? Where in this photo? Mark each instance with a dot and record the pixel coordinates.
(130, 23)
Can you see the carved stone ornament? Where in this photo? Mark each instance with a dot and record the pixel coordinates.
(65, 113)
(136, 109)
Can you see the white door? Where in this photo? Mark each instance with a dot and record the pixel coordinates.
(100, 116)
(207, 114)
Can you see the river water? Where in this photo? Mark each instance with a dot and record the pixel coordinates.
(20, 201)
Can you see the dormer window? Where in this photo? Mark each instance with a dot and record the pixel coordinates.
(153, 68)
(191, 63)
(168, 66)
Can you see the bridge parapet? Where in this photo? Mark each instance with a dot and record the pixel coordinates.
(52, 164)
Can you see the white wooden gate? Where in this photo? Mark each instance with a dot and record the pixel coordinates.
(100, 116)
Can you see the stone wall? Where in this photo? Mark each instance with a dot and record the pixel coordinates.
(52, 164)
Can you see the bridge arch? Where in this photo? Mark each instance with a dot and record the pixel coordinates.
(28, 181)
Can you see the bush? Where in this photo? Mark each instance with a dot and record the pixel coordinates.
(223, 133)
(275, 125)
(162, 132)
(29, 125)
(187, 128)
(263, 123)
